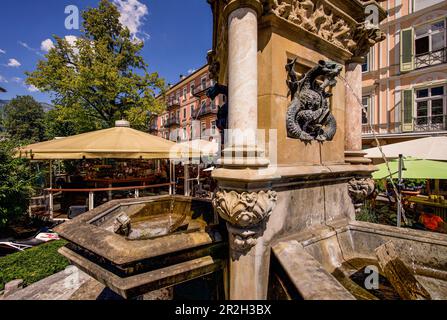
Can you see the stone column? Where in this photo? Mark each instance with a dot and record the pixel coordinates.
(240, 146)
(353, 114)
(245, 204)
(247, 214)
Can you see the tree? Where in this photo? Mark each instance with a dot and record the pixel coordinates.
(67, 121)
(16, 183)
(102, 72)
(23, 119)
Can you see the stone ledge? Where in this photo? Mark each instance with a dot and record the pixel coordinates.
(309, 277)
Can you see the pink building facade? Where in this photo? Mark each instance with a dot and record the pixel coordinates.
(405, 76)
(190, 114)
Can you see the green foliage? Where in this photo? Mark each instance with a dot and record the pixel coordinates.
(414, 183)
(367, 214)
(23, 119)
(67, 121)
(32, 264)
(16, 184)
(102, 73)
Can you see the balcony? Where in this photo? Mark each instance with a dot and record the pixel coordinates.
(382, 128)
(153, 127)
(420, 125)
(431, 58)
(430, 124)
(204, 111)
(201, 91)
(173, 103)
(172, 121)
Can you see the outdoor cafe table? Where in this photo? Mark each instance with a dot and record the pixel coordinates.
(440, 209)
(111, 181)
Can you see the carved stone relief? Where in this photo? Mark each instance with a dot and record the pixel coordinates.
(309, 115)
(359, 189)
(246, 214)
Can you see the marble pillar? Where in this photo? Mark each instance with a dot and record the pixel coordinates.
(241, 147)
(353, 114)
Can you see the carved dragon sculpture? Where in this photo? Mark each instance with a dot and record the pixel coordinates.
(309, 116)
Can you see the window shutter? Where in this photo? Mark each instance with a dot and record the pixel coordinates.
(407, 50)
(407, 110)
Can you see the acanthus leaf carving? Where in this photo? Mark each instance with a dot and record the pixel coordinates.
(246, 214)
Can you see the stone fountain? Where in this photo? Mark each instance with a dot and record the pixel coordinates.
(291, 177)
(292, 174)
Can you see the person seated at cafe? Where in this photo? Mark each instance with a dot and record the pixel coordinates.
(431, 221)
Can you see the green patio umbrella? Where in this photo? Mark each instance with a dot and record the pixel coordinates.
(415, 169)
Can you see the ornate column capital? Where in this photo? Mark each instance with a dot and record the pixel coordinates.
(359, 189)
(246, 214)
(232, 5)
(365, 36)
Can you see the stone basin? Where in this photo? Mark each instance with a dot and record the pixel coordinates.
(172, 239)
(328, 262)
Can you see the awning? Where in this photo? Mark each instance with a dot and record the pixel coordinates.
(431, 148)
(415, 169)
(120, 142)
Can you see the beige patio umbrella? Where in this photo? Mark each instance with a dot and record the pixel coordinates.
(431, 148)
(120, 142)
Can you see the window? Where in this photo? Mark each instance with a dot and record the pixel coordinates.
(184, 134)
(184, 113)
(430, 43)
(422, 4)
(366, 110)
(191, 88)
(203, 83)
(213, 127)
(192, 111)
(430, 108)
(203, 129)
(185, 91)
(366, 66)
(178, 114)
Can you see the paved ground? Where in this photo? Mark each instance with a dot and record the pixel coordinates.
(73, 284)
(70, 284)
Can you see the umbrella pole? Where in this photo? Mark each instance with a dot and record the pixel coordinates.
(51, 192)
(399, 196)
(186, 179)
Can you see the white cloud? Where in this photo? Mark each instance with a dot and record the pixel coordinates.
(133, 14)
(2, 51)
(26, 46)
(32, 88)
(46, 45)
(191, 71)
(13, 63)
(3, 79)
(17, 80)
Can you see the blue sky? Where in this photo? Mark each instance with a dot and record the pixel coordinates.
(177, 36)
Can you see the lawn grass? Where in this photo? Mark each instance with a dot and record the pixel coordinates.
(32, 264)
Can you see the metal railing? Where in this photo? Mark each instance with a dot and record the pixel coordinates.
(173, 103)
(431, 123)
(201, 90)
(172, 121)
(206, 110)
(392, 127)
(430, 58)
(420, 124)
